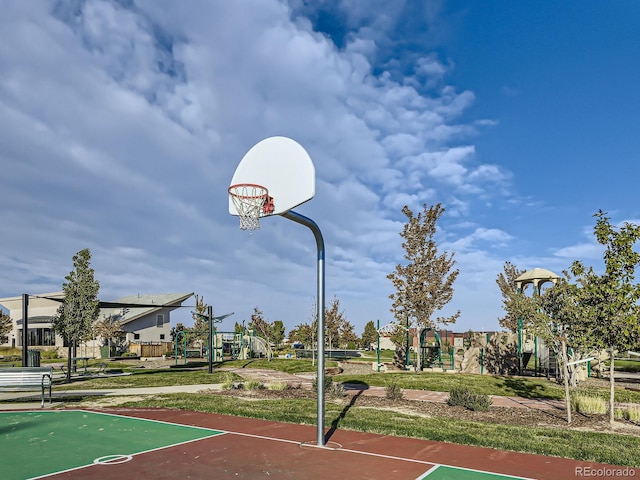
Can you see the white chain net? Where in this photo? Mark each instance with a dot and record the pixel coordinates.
(249, 201)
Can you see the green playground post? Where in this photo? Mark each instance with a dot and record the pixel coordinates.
(481, 361)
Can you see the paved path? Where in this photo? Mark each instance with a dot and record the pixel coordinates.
(268, 376)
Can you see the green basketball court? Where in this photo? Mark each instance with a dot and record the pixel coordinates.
(40, 443)
(442, 472)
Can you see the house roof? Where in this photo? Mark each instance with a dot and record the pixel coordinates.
(126, 311)
(40, 300)
(133, 306)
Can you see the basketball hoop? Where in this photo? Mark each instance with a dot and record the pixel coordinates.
(252, 202)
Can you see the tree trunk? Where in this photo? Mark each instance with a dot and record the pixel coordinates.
(74, 351)
(565, 375)
(611, 387)
(68, 363)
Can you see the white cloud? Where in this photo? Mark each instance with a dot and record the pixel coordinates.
(121, 128)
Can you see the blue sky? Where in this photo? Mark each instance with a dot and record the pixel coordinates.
(121, 124)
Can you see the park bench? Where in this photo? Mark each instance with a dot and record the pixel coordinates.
(27, 378)
(84, 366)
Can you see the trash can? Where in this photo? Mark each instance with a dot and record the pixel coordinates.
(33, 358)
(106, 352)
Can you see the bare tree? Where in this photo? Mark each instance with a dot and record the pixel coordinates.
(424, 284)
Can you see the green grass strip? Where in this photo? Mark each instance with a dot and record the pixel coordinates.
(608, 448)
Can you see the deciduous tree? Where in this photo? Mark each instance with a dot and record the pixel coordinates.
(80, 309)
(302, 333)
(611, 299)
(200, 331)
(369, 335)
(108, 328)
(277, 333)
(506, 281)
(424, 285)
(338, 330)
(6, 325)
(259, 325)
(559, 322)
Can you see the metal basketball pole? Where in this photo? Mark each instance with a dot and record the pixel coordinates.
(301, 219)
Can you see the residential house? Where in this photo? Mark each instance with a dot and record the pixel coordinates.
(145, 319)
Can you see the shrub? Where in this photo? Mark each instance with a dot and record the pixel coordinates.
(328, 383)
(631, 413)
(49, 354)
(253, 385)
(480, 403)
(460, 396)
(467, 398)
(228, 382)
(278, 386)
(393, 392)
(336, 390)
(589, 404)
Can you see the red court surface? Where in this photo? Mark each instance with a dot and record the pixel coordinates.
(260, 449)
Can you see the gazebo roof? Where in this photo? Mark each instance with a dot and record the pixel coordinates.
(537, 276)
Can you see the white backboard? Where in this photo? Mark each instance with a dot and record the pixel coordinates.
(283, 167)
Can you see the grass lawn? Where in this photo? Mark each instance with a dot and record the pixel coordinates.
(439, 382)
(147, 378)
(589, 446)
(288, 365)
(444, 382)
(627, 365)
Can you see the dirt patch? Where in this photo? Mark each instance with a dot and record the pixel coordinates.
(495, 415)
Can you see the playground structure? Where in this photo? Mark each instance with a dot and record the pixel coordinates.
(226, 346)
(501, 353)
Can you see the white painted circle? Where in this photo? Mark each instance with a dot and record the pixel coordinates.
(113, 459)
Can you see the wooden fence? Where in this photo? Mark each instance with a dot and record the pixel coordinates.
(151, 349)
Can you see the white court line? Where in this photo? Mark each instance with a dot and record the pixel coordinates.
(379, 455)
(438, 465)
(433, 467)
(217, 434)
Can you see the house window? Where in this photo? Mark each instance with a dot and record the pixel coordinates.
(159, 320)
(162, 336)
(39, 337)
(136, 336)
